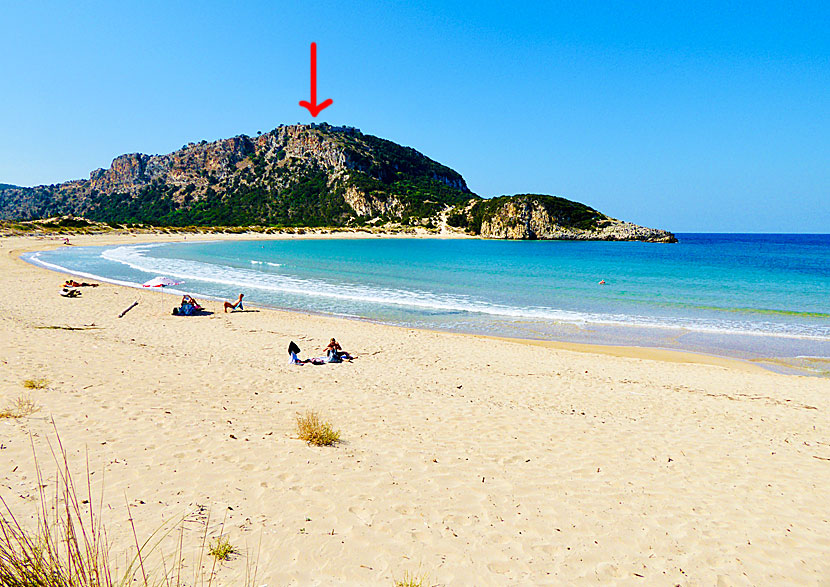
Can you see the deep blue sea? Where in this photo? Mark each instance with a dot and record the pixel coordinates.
(758, 297)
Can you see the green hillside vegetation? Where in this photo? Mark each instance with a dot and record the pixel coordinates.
(306, 201)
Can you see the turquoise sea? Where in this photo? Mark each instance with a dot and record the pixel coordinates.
(758, 297)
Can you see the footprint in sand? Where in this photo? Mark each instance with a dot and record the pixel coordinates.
(500, 567)
(607, 571)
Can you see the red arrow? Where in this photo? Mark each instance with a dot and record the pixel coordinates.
(312, 106)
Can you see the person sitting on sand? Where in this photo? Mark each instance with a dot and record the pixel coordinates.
(235, 306)
(335, 352)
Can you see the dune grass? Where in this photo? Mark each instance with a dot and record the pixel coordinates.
(67, 545)
(314, 430)
(222, 549)
(23, 406)
(40, 383)
(412, 580)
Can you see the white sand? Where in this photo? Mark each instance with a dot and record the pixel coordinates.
(476, 461)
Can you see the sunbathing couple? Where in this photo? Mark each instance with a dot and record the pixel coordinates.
(334, 354)
(190, 306)
(68, 290)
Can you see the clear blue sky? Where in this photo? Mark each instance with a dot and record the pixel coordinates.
(687, 116)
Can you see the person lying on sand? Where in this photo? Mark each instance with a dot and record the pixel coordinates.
(235, 306)
(73, 283)
(186, 299)
(187, 308)
(293, 354)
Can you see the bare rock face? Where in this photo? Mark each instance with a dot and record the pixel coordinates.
(518, 219)
(193, 164)
(126, 172)
(299, 143)
(372, 205)
(527, 217)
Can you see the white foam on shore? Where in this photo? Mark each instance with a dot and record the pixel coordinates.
(36, 260)
(134, 257)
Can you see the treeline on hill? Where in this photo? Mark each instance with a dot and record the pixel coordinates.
(388, 161)
(306, 201)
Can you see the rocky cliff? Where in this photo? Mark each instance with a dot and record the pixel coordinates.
(536, 216)
(307, 175)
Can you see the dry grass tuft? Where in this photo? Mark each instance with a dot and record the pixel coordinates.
(66, 545)
(412, 580)
(314, 430)
(23, 406)
(35, 383)
(222, 550)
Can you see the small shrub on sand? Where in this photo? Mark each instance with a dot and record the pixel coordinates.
(222, 550)
(35, 383)
(312, 429)
(23, 406)
(412, 580)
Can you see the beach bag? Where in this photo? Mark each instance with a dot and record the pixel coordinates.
(293, 348)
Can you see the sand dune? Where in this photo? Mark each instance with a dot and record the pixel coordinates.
(475, 461)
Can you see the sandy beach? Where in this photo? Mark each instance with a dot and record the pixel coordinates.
(468, 460)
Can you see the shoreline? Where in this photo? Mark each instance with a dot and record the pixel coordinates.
(638, 352)
(469, 459)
